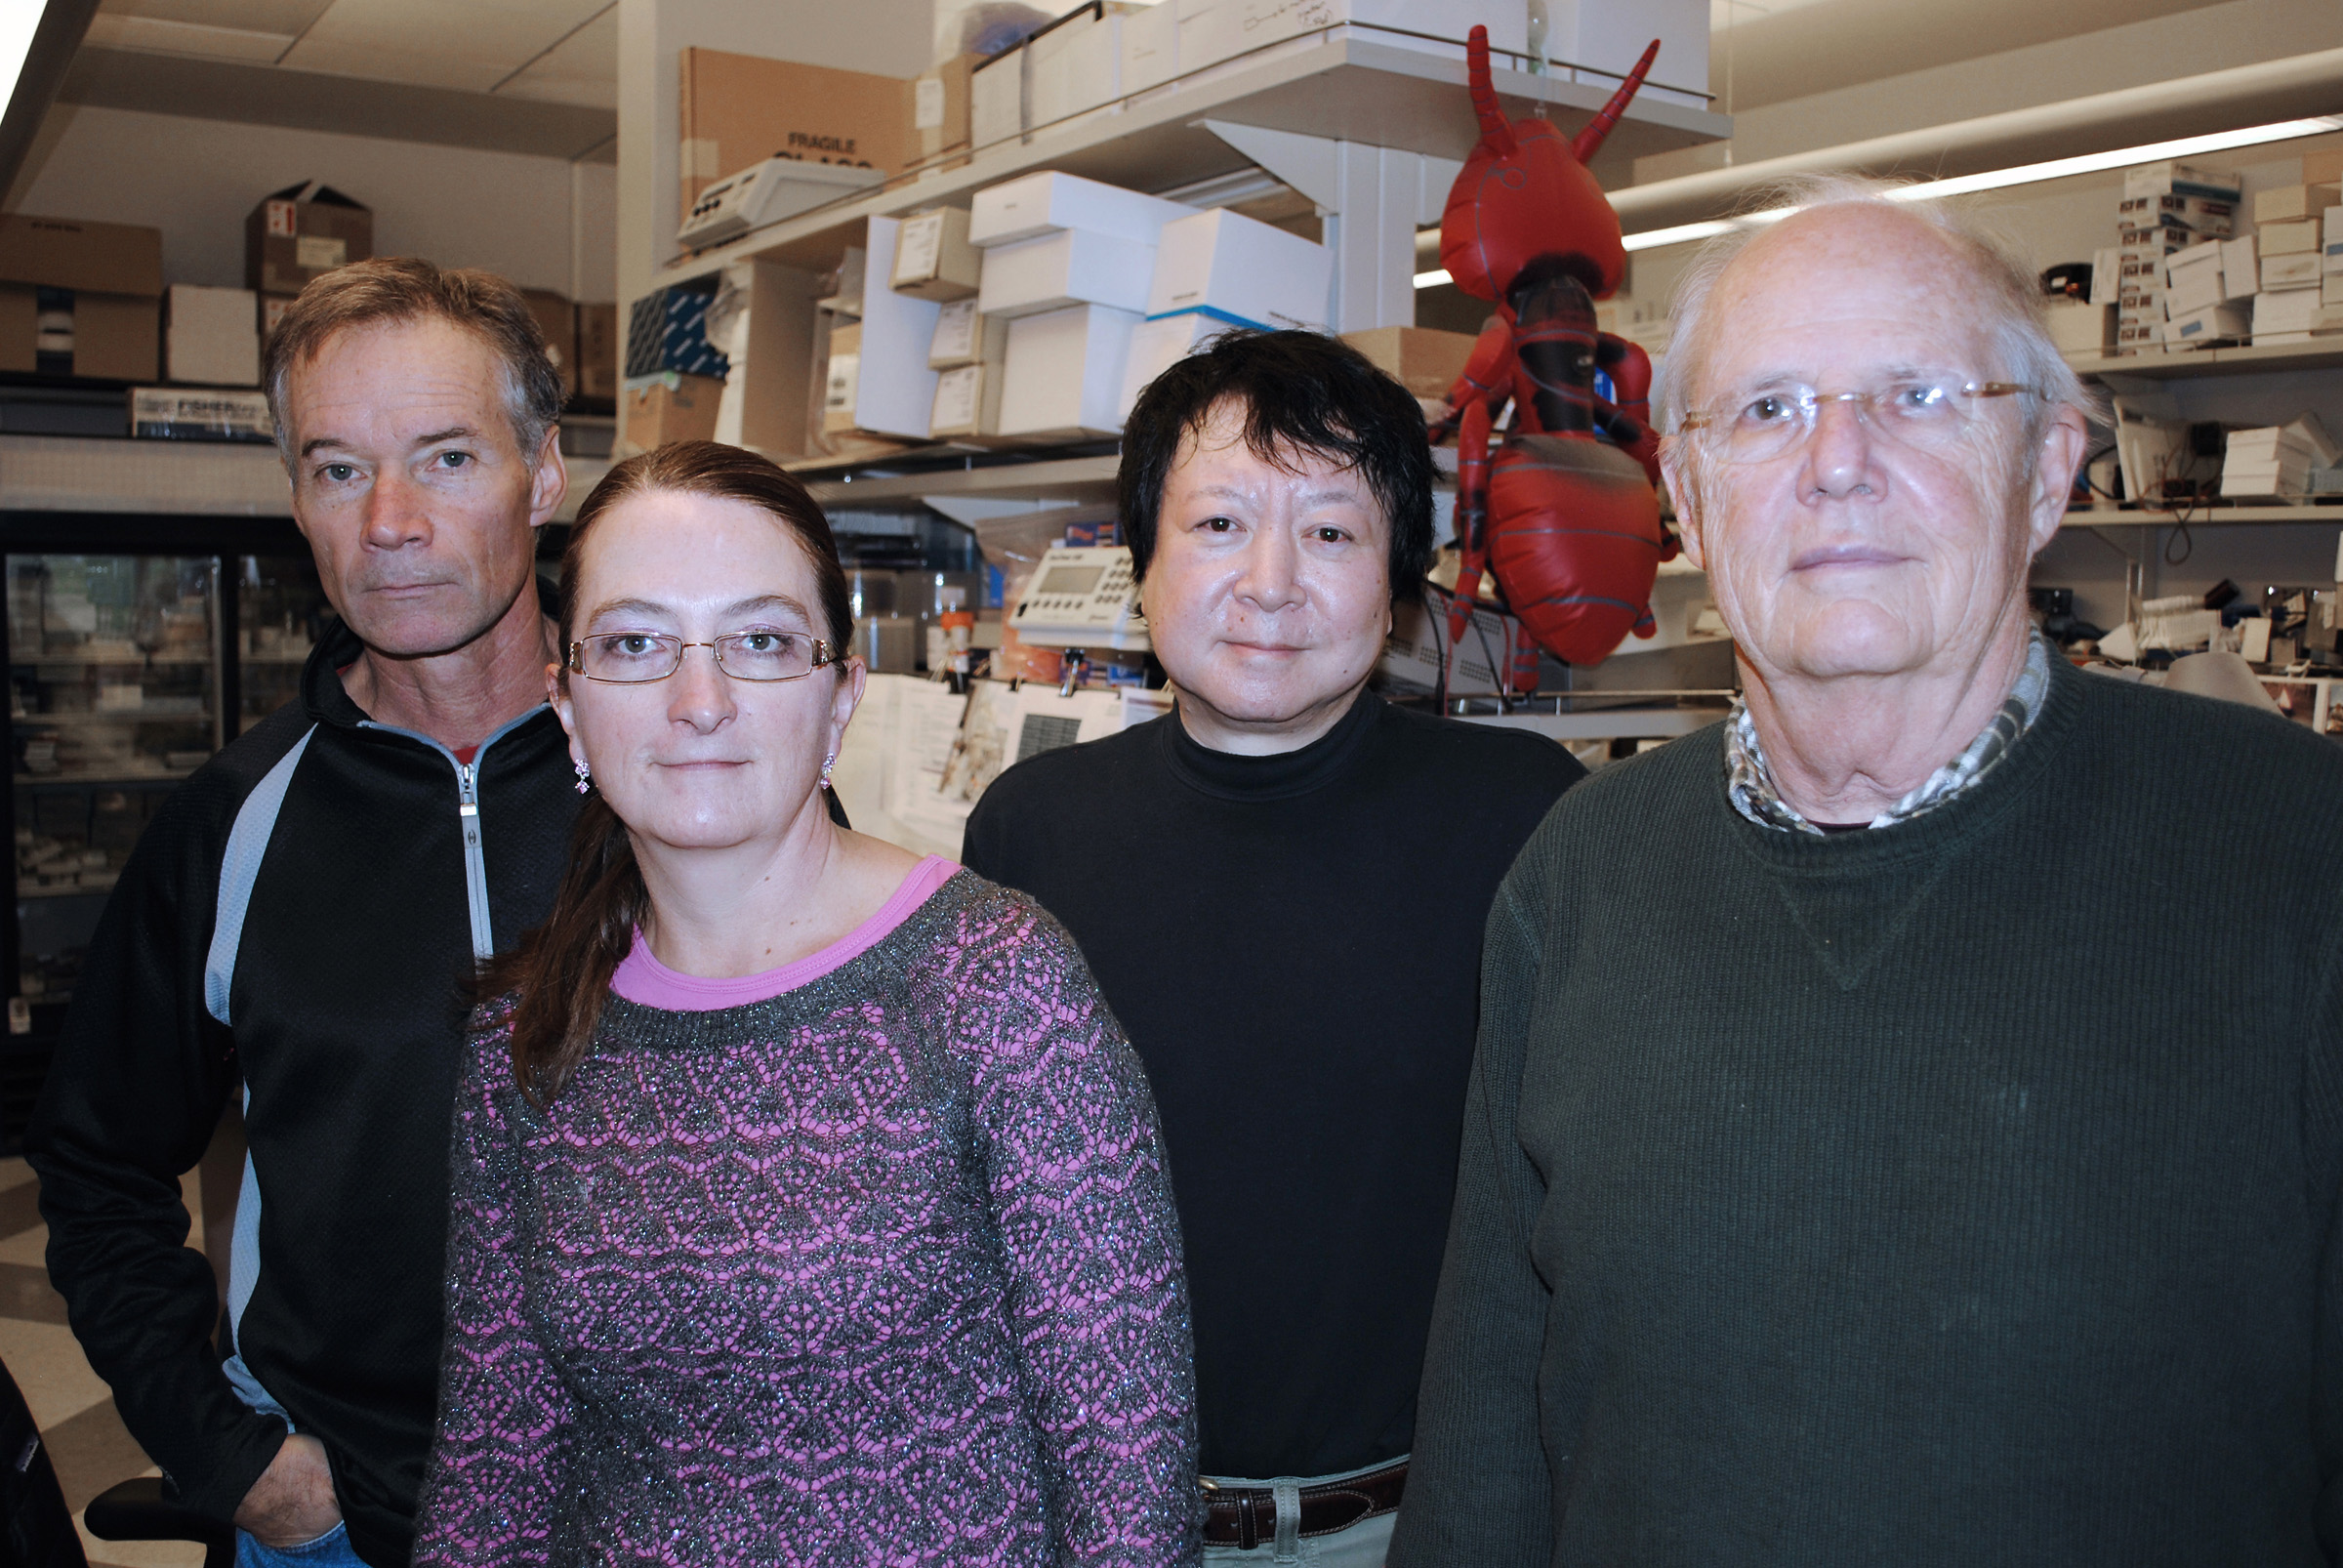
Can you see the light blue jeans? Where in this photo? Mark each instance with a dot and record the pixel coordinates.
(1361, 1546)
(329, 1550)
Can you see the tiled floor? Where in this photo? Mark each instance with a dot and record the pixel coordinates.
(70, 1402)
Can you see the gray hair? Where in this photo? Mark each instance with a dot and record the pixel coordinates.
(395, 290)
(2012, 300)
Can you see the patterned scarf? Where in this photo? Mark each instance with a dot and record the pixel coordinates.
(1750, 782)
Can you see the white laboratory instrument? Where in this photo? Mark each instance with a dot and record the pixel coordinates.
(1083, 596)
(774, 189)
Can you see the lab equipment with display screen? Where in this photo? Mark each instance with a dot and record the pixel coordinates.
(1083, 596)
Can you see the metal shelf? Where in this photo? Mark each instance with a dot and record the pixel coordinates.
(159, 775)
(2244, 360)
(1338, 83)
(2328, 510)
(1076, 478)
(209, 478)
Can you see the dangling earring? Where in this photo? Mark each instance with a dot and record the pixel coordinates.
(584, 781)
(827, 762)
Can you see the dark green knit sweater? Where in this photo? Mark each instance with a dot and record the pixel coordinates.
(1960, 1192)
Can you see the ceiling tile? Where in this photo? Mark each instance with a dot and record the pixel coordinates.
(442, 40)
(286, 16)
(583, 68)
(111, 30)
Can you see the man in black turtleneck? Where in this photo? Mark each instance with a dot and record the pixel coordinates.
(1281, 889)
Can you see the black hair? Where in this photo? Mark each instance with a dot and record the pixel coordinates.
(1300, 392)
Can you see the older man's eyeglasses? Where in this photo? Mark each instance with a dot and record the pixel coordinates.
(1928, 414)
(637, 658)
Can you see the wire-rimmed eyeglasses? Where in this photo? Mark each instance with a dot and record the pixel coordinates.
(637, 658)
(1929, 414)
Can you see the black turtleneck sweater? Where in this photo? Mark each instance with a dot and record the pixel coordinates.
(1293, 943)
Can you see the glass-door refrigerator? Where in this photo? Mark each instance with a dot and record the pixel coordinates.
(137, 648)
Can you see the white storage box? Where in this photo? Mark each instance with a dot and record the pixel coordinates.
(997, 100)
(1074, 66)
(211, 337)
(2287, 239)
(1064, 371)
(2288, 203)
(1241, 269)
(1156, 346)
(1150, 47)
(2299, 271)
(2077, 328)
(2174, 178)
(1047, 201)
(2194, 279)
(1073, 266)
(2209, 325)
(2240, 266)
(2287, 310)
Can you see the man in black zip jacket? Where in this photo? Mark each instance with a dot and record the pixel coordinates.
(302, 920)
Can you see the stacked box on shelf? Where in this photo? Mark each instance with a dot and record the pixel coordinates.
(2288, 220)
(2166, 208)
(1220, 270)
(1068, 261)
(2276, 460)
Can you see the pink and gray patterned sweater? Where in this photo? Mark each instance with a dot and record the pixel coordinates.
(878, 1267)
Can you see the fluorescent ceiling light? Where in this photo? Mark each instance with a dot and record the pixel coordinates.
(2024, 174)
(19, 20)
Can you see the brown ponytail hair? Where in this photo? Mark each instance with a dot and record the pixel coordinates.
(560, 972)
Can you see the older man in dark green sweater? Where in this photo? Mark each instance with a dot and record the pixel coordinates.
(1908, 1118)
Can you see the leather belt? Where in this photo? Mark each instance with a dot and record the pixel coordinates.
(1244, 1516)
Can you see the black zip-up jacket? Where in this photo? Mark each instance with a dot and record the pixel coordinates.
(301, 917)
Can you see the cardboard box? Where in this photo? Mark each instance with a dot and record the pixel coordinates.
(933, 259)
(1156, 346)
(939, 109)
(2299, 271)
(841, 380)
(671, 407)
(64, 253)
(1426, 362)
(2203, 216)
(1064, 372)
(1241, 269)
(97, 285)
(2107, 271)
(301, 233)
(2174, 178)
(597, 351)
(767, 318)
(211, 337)
(964, 337)
(1046, 201)
(2289, 239)
(558, 323)
(1072, 267)
(2212, 324)
(2194, 290)
(967, 402)
(738, 110)
(2288, 203)
(176, 414)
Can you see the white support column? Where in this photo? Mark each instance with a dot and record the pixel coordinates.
(1372, 199)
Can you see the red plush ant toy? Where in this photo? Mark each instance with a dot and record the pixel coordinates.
(1569, 522)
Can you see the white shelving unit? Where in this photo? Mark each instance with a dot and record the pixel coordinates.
(208, 478)
(1341, 85)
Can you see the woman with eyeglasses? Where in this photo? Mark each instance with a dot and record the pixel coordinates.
(808, 1203)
